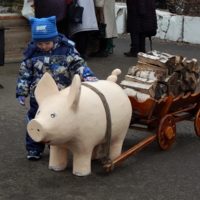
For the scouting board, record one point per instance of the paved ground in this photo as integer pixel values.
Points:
(151, 174)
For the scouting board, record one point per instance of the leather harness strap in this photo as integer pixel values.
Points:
(107, 159)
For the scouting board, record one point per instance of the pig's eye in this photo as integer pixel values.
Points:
(53, 115)
(38, 112)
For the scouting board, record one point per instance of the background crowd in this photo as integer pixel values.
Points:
(141, 22)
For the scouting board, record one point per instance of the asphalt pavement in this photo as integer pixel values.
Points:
(150, 174)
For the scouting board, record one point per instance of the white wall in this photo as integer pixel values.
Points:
(177, 28)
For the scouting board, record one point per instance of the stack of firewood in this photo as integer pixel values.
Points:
(158, 74)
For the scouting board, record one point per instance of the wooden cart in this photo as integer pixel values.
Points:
(160, 118)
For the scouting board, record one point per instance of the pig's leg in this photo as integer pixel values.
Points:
(115, 149)
(95, 153)
(58, 158)
(82, 163)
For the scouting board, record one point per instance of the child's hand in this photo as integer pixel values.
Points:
(21, 100)
(91, 79)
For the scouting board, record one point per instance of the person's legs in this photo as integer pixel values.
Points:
(34, 148)
(102, 52)
(81, 40)
(103, 44)
(134, 45)
(142, 42)
(62, 27)
(137, 44)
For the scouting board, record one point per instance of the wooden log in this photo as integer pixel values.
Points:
(147, 74)
(151, 59)
(158, 92)
(138, 95)
(179, 66)
(195, 67)
(139, 79)
(194, 82)
(172, 79)
(175, 90)
(184, 86)
(178, 59)
(159, 61)
(185, 74)
(143, 65)
(184, 61)
(189, 65)
(196, 75)
(164, 88)
(171, 58)
(140, 87)
(132, 70)
(160, 72)
(186, 81)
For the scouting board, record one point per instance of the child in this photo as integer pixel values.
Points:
(49, 52)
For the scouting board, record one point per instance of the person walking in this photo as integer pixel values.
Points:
(105, 10)
(80, 32)
(141, 22)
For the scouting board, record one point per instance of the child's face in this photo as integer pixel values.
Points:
(45, 46)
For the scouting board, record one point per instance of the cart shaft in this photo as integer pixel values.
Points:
(130, 152)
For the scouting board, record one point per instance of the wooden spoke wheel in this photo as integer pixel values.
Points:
(166, 132)
(197, 123)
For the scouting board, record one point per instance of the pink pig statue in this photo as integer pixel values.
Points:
(75, 119)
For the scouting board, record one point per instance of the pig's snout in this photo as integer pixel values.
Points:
(36, 130)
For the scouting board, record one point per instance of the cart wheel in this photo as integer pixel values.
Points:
(197, 123)
(166, 132)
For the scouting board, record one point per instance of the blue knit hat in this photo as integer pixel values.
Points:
(44, 29)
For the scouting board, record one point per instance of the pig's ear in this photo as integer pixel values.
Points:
(45, 87)
(74, 92)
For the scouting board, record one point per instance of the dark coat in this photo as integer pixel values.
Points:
(47, 8)
(141, 16)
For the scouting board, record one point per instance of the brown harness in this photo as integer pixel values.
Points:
(105, 160)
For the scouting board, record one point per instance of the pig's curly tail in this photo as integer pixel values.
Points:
(113, 76)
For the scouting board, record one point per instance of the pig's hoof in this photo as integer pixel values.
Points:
(80, 174)
(56, 168)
